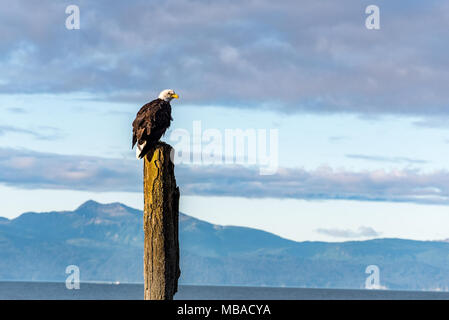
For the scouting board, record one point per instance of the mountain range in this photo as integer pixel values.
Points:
(106, 242)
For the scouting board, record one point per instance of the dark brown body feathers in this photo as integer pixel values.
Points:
(151, 122)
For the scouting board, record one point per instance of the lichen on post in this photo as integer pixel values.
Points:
(161, 218)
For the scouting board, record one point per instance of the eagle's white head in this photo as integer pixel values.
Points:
(168, 95)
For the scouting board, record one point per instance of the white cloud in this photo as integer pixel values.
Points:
(53, 171)
(361, 232)
(314, 56)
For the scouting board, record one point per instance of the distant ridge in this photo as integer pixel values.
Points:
(105, 241)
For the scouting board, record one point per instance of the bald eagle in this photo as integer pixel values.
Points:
(151, 122)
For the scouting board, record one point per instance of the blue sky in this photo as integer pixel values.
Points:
(362, 114)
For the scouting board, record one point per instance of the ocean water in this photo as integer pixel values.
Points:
(102, 291)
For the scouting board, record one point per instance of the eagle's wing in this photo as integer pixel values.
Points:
(151, 122)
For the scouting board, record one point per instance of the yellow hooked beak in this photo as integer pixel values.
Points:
(175, 96)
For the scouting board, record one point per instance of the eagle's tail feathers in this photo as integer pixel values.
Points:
(139, 150)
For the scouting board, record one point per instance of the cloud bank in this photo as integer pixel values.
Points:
(361, 232)
(313, 56)
(36, 170)
(385, 159)
(41, 133)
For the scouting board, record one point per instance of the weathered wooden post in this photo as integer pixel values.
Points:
(161, 217)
